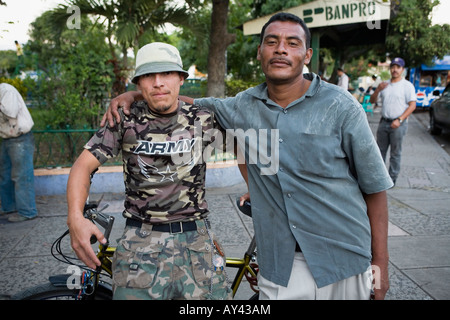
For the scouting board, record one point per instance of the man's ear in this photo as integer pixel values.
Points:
(181, 78)
(308, 56)
(138, 87)
(258, 54)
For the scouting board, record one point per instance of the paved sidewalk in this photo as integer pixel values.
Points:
(419, 213)
(419, 232)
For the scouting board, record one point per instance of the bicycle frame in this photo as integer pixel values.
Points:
(105, 255)
(245, 268)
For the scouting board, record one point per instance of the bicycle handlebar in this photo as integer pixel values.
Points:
(246, 208)
(90, 212)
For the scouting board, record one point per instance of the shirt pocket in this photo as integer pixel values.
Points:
(320, 155)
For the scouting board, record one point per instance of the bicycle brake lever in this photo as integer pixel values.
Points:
(107, 225)
(103, 208)
(108, 229)
(106, 221)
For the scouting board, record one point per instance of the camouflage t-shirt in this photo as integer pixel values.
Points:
(163, 160)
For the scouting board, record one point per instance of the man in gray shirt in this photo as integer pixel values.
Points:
(398, 102)
(320, 215)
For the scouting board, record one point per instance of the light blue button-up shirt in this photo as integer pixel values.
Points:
(327, 158)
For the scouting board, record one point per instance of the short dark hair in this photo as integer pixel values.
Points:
(284, 16)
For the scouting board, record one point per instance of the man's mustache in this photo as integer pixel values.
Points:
(282, 60)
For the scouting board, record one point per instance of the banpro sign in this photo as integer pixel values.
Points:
(323, 13)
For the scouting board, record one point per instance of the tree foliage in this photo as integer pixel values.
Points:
(8, 60)
(77, 74)
(411, 34)
(129, 24)
(76, 90)
(241, 54)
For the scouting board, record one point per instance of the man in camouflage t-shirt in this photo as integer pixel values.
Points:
(167, 249)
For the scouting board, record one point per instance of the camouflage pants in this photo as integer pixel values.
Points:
(159, 265)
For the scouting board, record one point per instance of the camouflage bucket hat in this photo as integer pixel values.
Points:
(158, 57)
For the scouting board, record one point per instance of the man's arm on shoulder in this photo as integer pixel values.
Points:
(186, 99)
(125, 100)
(81, 229)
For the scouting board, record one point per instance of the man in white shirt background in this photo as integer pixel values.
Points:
(343, 79)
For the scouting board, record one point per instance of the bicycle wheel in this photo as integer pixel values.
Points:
(48, 291)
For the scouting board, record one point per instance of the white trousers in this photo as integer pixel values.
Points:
(302, 286)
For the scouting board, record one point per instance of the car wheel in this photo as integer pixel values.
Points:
(434, 129)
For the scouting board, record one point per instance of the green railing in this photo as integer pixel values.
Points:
(60, 148)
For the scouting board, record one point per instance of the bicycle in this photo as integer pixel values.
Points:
(89, 285)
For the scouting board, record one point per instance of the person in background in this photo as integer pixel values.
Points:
(376, 82)
(398, 102)
(16, 155)
(343, 79)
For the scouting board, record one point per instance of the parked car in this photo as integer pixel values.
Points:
(440, 112)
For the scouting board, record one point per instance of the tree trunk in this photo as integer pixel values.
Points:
(220, 39)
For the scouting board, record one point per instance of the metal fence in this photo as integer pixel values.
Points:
(60, 148)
